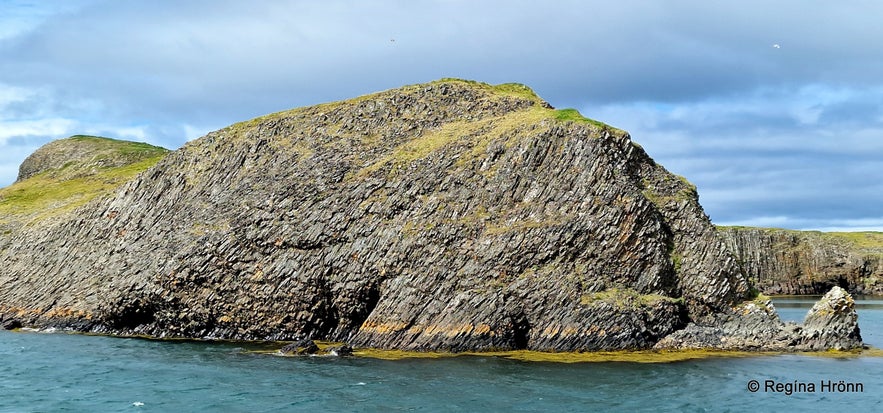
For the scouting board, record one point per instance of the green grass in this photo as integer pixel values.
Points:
(44, 196)
(625, 298)
(569, 114)
(863, 240)
(868, 241)
(573, 115)
(475, 134)
(517, 90)
(140, 149)
(60, 190)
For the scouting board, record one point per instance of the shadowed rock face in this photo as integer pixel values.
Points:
(444, 216)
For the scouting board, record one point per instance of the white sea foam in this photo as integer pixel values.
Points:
(39, 330)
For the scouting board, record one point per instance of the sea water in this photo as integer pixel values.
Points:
(59, 372)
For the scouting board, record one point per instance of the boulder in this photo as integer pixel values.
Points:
(300, 347)
(341, 350)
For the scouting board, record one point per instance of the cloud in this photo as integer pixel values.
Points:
(206, 58)
(801, 155)
(209, 52)
(42, 127)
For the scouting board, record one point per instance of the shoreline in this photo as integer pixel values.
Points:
(649, 356)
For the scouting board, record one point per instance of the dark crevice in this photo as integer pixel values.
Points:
(133, 314)
(520, 332)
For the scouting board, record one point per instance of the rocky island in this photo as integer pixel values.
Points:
(447, 216)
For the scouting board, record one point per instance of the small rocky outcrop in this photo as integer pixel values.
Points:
(307, 347)
(832, 323)
(340, 350)
(300, 348)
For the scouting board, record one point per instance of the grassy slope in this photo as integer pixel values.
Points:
(59, 190)
(867, 242)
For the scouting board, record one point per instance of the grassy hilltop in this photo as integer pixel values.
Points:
(68, 173)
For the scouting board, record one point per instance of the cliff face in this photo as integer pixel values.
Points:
(781, 261)
(445, 216)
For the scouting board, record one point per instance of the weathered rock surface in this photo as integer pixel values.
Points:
(444, 216)
(778, 261)
(832, 323)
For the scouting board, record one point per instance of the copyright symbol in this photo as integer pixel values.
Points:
(753, 386)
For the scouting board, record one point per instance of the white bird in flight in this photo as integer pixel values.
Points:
(776, 46)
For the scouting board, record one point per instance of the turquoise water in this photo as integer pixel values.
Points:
(41, 372)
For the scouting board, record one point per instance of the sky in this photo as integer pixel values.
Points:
(773, 109)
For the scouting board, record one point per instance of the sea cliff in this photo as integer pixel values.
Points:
(780, 261)
(450, 216)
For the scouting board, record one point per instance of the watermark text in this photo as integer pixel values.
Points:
(796, 386)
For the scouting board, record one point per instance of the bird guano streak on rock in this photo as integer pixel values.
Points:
(452, 215)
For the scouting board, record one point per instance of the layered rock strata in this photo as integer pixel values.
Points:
(445, 216)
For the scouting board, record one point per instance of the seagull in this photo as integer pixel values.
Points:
(776, 46)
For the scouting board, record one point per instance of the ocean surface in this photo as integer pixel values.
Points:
(59, 372)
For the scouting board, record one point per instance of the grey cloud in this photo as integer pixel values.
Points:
(204, 51)
(735, 186)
